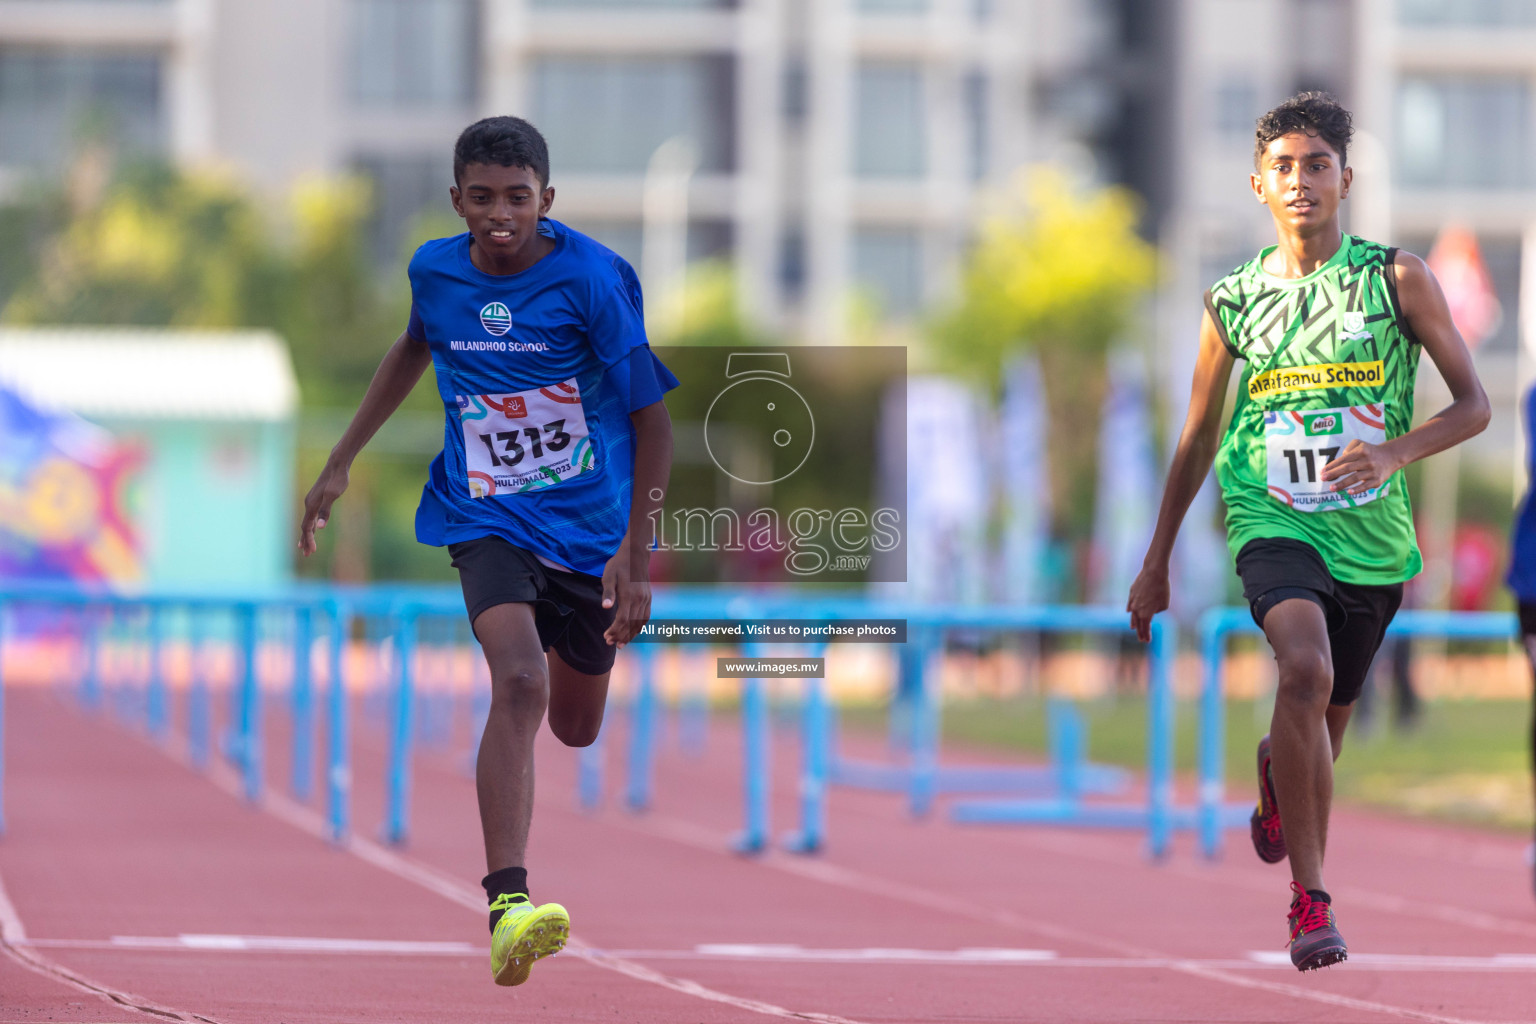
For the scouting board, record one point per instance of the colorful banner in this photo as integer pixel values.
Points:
(1128, 488)
(63, 498)
(1457, 262)
(1026, 484)
(947, 491)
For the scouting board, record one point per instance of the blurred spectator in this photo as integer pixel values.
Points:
(1522, 558)
(1474, 567)
(1396, 660)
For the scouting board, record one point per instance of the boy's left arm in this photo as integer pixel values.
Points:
(1361, 467)
(627, 576)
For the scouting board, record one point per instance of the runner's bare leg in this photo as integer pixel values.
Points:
(576, 703)
(1300, 742)
(519, 694)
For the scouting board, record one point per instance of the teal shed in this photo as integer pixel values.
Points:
(210, 418)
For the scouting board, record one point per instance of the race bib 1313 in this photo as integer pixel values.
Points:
(525, 440)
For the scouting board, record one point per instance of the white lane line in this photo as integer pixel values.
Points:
(13, 944)
(277, 943)
(695, 836)
(455, 891)
(308, 821)
(1076, 846)
(287, 944)
(1195, 969)
(800, 954)
(1412, 961)
(11, 928)
(790, 953)
(262, 944)
(1441, 912)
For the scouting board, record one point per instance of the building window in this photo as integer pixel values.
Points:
(1469, 13)
(636, 4)
(707, 240)
(1467, 131)
(977, 137)
(1237, 109)
(607, 115)
(797, 91)
(52, 102)
(414, 53)
(1323, 63)
(406, 188)
(792, 258)
(888, 262)
(890, 140)
(892, 6)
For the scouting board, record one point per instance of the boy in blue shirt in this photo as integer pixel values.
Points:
(1522, 559)
(556, 450)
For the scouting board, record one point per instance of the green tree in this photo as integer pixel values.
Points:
(706, 310)
(1059, 271)
(154, 246)
(158, 248)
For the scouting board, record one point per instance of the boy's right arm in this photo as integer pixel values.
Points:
(1191, 462)
(398, 372)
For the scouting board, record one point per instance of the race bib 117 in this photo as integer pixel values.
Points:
(1300, 442)
(526, 440)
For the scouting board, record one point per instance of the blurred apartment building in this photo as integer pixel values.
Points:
(1444, 96)
(836, 144)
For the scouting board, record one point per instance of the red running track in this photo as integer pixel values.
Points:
(140, 890)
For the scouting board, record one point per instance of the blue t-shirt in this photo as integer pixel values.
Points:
(538, 372)
(1522, 554)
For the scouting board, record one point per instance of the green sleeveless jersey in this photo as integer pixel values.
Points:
(1329, 359)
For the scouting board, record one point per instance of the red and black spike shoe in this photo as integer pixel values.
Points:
(1264, 826)
(1315, 938)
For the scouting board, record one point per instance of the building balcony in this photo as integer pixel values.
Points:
(1474, 50)
(85, 24)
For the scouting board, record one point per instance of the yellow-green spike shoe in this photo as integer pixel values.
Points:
(524, 934)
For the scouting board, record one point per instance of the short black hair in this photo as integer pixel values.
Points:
(1316, 113)
(505, 142)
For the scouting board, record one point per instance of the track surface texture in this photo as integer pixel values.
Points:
(136, 889)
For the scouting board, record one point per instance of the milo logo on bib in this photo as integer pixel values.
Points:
(1300, 443)
(1320, 424)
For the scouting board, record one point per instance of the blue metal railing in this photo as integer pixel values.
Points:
(97, 611)
(1220, 623)
(924, 776)
(417, 702)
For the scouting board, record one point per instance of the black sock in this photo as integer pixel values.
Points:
(1320, 896)
(507, 881)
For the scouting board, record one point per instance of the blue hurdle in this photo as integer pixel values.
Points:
(642, 732)
(302, 765)
(1219, 623)
(924, 777)
(395, 615)
(99, 611)
(1156, 815)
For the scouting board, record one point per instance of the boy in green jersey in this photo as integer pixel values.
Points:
(1329, 327)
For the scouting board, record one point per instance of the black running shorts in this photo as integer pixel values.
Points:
(1527, 620)
(1279, 568)
(567, 606)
